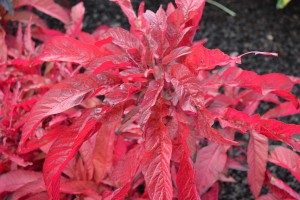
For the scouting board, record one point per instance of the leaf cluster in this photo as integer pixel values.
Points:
(139, 114)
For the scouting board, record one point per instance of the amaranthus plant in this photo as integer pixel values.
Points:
(139, 114)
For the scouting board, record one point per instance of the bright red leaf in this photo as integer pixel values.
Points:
(257, 156)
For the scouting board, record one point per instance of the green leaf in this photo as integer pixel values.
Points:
(282, 3)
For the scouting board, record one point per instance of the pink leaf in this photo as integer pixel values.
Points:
(38, 196)
(78, 187)
(127, 167)
(191, 8)
(128, 10)
(101, 64)
(176, 53)
(157, 23)
(257, 155)
(44, 34)
(277, 130)
(153, 90)
(210, 162)
(87, 157)
(30, 188)
(24, 17)
(186, 180)
(13, 180)
(213, 193)
(65, 148)
(122, 38)
(69, 50)
(118, 194)
(61, 97)
(156, 167)
(283, 109)
(28, 43)
(204, 124)
(3, 47)
(49, 7)
(77, 14)
(16, 159)
(105, 138)
(186, 175)
(202, 58)
(288, 159)
(268, 197)
(281, 189)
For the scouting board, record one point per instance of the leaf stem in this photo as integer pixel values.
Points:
(222, 7)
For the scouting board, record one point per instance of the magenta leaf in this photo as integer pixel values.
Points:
(16, 179)
(65, 147)
(127, 167)
(210, 162)
(67, 49)
(156, 166)
(257, 156)
(61, 97)
(48, 7)
(104, 146)
(286, 158)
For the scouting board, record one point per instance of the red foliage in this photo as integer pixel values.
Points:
(146, 120)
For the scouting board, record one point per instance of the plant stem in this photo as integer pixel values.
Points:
(222, 7)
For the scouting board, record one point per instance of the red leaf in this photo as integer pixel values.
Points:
(204, 124)
(280, 189)
(176, 53)
(268, 197)
(24, 17)
(127, 167)
(156, 167)
(185, 82)
(78, 187)
(118, 194)
(202, 58)
(192, 11)
(30, 188)
(65, 148)
(77, 14)
(213, 193)
(157, 23)
(122, 38)
(38, 196)
(288, 159)
(257, 156)
(44, 34)
(101, 64)
(87, 157)
(153, 90)
(277, 130)
(61, 97)
(13, 180)
(69, 50)
(210, 162)
(3, 47)
(186, 176)
(16, 159)
(238, 120)
(186, 180)
(49, 7)
(105, 138)
(191, 8)
(283, 109)
(28, 43)
(128, 11)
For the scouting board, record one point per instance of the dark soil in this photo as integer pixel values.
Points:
(258, 26)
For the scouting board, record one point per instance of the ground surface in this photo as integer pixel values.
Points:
(257, 26)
